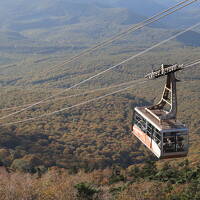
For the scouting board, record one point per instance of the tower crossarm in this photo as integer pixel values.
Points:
(164, 70)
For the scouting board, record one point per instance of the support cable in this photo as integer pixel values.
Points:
(131, 29)
(74, 106)
(102, 72)
(139, 81)
(71, 96)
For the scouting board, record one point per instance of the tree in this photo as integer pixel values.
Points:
(26, 164)
(86, 191)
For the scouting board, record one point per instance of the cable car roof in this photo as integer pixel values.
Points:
(166, 126)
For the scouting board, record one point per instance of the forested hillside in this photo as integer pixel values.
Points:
(88, 152)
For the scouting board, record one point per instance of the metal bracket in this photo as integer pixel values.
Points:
(169, 97)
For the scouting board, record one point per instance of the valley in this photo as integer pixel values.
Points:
(92, 140)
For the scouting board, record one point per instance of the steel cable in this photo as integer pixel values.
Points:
(120, 35)
(139, 81)
(71, 96)
(74, 106)
(102, 72)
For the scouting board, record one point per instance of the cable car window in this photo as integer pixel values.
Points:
(169, 143)
(175, 142)
(148, 128)
(140, 122)
(157, 137)
(182, 142)
(154, 133)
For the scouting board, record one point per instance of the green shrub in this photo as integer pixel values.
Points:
(85, 191)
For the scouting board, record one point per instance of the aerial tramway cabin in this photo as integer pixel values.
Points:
(156, 126)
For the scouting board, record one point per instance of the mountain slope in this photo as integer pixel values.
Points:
(190, 38)
(76, 21)
(144, 7)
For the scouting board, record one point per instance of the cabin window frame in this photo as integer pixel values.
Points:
(148, 128)
(178, 145)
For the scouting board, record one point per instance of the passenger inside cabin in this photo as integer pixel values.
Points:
(168, 144)
(173, 144)
(180, 145)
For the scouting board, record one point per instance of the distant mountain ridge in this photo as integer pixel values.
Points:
(81, 21)
(190, 38)
(13, 13)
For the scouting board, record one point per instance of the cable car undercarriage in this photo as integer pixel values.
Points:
(156, 126)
